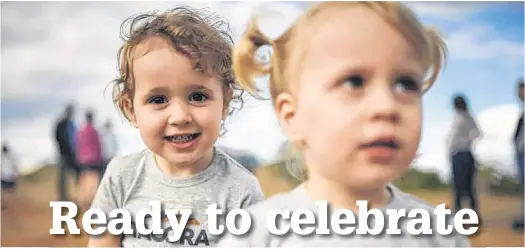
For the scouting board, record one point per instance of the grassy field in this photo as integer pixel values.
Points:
(27, 220)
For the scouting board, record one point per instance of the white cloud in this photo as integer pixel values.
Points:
(498, 125)
(433, 155)
(481, 43)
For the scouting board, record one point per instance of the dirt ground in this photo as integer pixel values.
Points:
(27, 220)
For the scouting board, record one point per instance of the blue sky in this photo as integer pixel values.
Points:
(48, 60)
(486, 76)
(489, 78)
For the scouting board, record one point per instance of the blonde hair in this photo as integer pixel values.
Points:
(200, 36)
(247, 67)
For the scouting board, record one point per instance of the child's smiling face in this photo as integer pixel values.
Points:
(177, 110)
(356, 110)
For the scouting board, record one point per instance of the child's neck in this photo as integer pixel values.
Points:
(185, 170)
(339, 195)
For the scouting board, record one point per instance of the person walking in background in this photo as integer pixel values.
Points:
(109, 144)
(89, 156)
(518, 150)
(65, 132)
(462, 135)
(9, 176)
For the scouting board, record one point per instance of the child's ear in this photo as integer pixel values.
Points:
(285, 108)
(224, 112)
(228, 96)
(128, 111)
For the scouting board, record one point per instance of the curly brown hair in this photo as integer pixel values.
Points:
(199, 35)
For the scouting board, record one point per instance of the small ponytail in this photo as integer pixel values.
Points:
(437, 56)
(294, 163)
(245, 64)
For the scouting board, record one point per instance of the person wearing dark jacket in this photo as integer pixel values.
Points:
(65, 131)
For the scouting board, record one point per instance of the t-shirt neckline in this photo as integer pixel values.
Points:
(208, 173)
(392, 203)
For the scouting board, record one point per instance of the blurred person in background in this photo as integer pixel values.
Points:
(65, 132)
(89, 156)
(518, 150)
(9, 176)
(109, 144)
(462, 135)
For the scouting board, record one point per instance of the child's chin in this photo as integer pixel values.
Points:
(183, 158)
(372, 181)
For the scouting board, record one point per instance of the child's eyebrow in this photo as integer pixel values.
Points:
(190, 87)
(157, 90)
(199, 87)
(411, 70)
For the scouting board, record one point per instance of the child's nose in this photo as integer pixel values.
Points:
(382, 105)
(179, 114)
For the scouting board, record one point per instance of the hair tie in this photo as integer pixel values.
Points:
(275, 19)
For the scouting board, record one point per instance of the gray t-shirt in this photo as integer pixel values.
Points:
(132, 181)
(259, 235)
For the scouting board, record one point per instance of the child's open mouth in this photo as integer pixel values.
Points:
(183, 139)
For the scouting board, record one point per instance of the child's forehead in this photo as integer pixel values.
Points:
(346, 26)
(150, 44)
(334, 20)
(354, 29)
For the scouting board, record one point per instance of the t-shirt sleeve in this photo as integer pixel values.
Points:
(252, 195)
(110, 192)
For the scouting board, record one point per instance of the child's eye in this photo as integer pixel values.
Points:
(355, 81)
(158, 100)
(198, 97)
(406, 83)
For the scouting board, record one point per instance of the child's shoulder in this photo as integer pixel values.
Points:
(229, 167)
(409, 201)
(126, 164)
(291, 200)
(236, 182)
